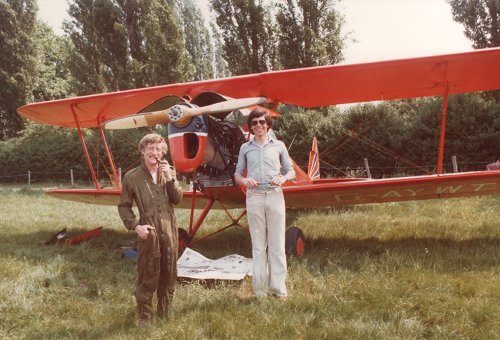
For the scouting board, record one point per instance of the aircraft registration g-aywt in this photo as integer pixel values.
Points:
(204, 141)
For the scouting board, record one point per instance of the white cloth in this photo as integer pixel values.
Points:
(266, 220)
(196, 266)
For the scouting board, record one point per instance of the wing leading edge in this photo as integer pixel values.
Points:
(309, 87)
(326, 193)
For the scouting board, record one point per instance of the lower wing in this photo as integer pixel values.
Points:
(325, 193)
(328, 193)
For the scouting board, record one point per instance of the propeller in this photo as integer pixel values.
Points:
(179, 113)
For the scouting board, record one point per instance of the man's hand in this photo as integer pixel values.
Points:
(143, 231)
(279, 181)
(165, 168)
(249, 182)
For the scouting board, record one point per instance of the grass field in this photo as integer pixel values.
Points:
(427, 270)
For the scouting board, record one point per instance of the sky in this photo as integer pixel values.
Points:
(383, 29)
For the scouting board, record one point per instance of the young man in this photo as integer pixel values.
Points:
(154, 189)
(263, 157)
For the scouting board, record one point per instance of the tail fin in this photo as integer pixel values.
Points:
(313, 166)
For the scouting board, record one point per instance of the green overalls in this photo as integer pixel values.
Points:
(157, 255)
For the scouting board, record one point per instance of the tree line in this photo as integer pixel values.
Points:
(111, 45)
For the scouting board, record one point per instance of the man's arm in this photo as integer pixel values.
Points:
(240, 168)
(125, 207)
(239, 179)
(286, 164)
(174, 191)
(127, 214)
(241, 165)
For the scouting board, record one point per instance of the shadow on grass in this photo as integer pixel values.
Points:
(97, 262)
(441, 255)
(89, 272)
(349, 253)
(230, 241)
(76, 331)
(109, 242)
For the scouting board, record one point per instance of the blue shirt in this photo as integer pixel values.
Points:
(265, 162)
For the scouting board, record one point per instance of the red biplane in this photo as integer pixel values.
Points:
(204, 141)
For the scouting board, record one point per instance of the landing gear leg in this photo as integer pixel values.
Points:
(183, 239)
(294, 242)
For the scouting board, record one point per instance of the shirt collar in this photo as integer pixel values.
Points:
(270, 139)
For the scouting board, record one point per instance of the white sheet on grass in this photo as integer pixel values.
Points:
(196, 266)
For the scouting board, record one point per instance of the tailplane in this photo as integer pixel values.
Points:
(313, 166)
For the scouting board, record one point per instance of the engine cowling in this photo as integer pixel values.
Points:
(188, 143)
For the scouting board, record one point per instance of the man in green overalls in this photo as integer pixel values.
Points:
(153, 187)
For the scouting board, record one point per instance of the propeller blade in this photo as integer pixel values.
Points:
(228, 105)
(137, 120)
(178, 113)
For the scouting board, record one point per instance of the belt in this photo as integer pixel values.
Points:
(265, 187)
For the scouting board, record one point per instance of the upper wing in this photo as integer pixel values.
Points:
(309, 87)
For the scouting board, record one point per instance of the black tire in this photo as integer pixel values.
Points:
(294, 242)
(184, 239)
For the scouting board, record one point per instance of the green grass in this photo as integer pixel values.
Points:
(395, 271)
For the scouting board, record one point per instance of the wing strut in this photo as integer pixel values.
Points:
(193, 228)
(84, 146)
(110, 159)
(443, 129)
(195, 225)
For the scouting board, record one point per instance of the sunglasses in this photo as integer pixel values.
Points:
(261, 122)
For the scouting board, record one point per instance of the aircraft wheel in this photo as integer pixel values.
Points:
(183, 239)
(294, 242)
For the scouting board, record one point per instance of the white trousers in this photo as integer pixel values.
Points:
(266, 220)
